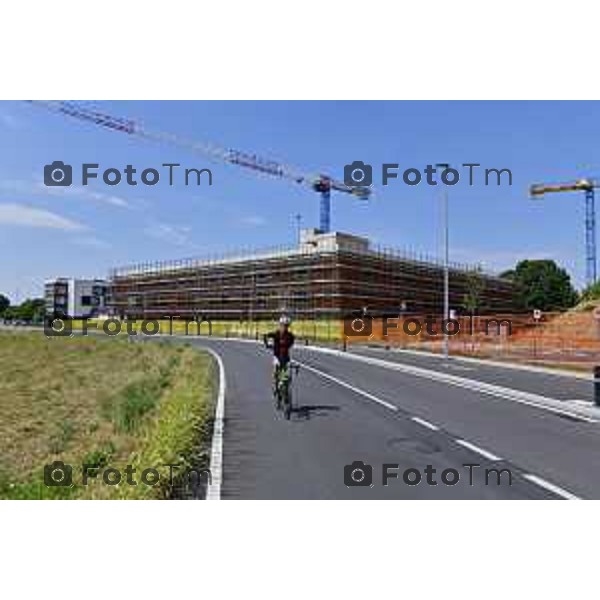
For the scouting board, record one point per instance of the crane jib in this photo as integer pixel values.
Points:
(319, 182)
(104, 120)
(251, 161)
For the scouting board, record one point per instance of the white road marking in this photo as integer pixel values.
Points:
(580, 402)
(495, 363)
(425, 423)
(550, 487)
(348, 386)
(478, 450)
(543, 402)
(216, 458)
(213, 491)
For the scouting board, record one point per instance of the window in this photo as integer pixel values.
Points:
(89, 301)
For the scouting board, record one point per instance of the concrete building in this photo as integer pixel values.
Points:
(328, 275)
(75, 297)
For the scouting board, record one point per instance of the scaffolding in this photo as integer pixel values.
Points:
(327, 276)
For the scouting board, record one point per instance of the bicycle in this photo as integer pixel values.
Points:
(283, 387)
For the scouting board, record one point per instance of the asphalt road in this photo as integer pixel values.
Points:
(347, 410)
(555, 385)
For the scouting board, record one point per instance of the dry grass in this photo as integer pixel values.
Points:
(317, 330)
(97, 400)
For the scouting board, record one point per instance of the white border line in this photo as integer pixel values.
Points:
(478, 450)
(216, 460)
(493, 363)
(550, 487)
(348, 386)
(425, 423)
(213, 491)
(589, 415)
(553, 405)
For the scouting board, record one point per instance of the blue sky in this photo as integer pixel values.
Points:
(47, 232)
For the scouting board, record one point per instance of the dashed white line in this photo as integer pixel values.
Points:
(348, 386)
(589, 415)
(213, 491)
(478, 450)
(425, 423)
(550, 487)
(216, 458)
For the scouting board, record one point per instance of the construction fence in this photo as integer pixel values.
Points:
(568, 339)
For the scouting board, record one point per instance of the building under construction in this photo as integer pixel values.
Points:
(327, 275)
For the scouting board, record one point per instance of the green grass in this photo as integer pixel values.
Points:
(100, 401)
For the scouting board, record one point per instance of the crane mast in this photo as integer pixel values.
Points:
(580, 185)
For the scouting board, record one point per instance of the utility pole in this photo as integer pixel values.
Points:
(445, 218)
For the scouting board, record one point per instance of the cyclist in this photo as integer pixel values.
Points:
(282, 341)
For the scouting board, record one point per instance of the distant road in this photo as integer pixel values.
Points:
(349, 410)
(542, 381)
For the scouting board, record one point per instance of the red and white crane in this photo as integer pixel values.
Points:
(323, 184)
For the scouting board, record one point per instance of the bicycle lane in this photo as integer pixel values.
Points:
(332, 426)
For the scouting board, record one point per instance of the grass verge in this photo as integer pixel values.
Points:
(106, 402)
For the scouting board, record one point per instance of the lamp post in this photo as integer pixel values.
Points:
(445, 218)
(298, 218)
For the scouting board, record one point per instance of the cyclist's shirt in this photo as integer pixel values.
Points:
(282, 342)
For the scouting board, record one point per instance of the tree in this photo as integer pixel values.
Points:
(592, 292)
(4, 304)
(542, 284)
(32, 309)
(475, 284)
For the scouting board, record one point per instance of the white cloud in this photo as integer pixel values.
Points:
(74, 191)
(176, 235)
(109, 199)
(78, 191)
(28, 216)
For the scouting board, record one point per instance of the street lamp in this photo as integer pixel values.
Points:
(298, 218)
(445, 219)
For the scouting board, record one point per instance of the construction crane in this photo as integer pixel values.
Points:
(323, 184)
(587, 186)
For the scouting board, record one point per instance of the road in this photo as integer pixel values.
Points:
(348, 410)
